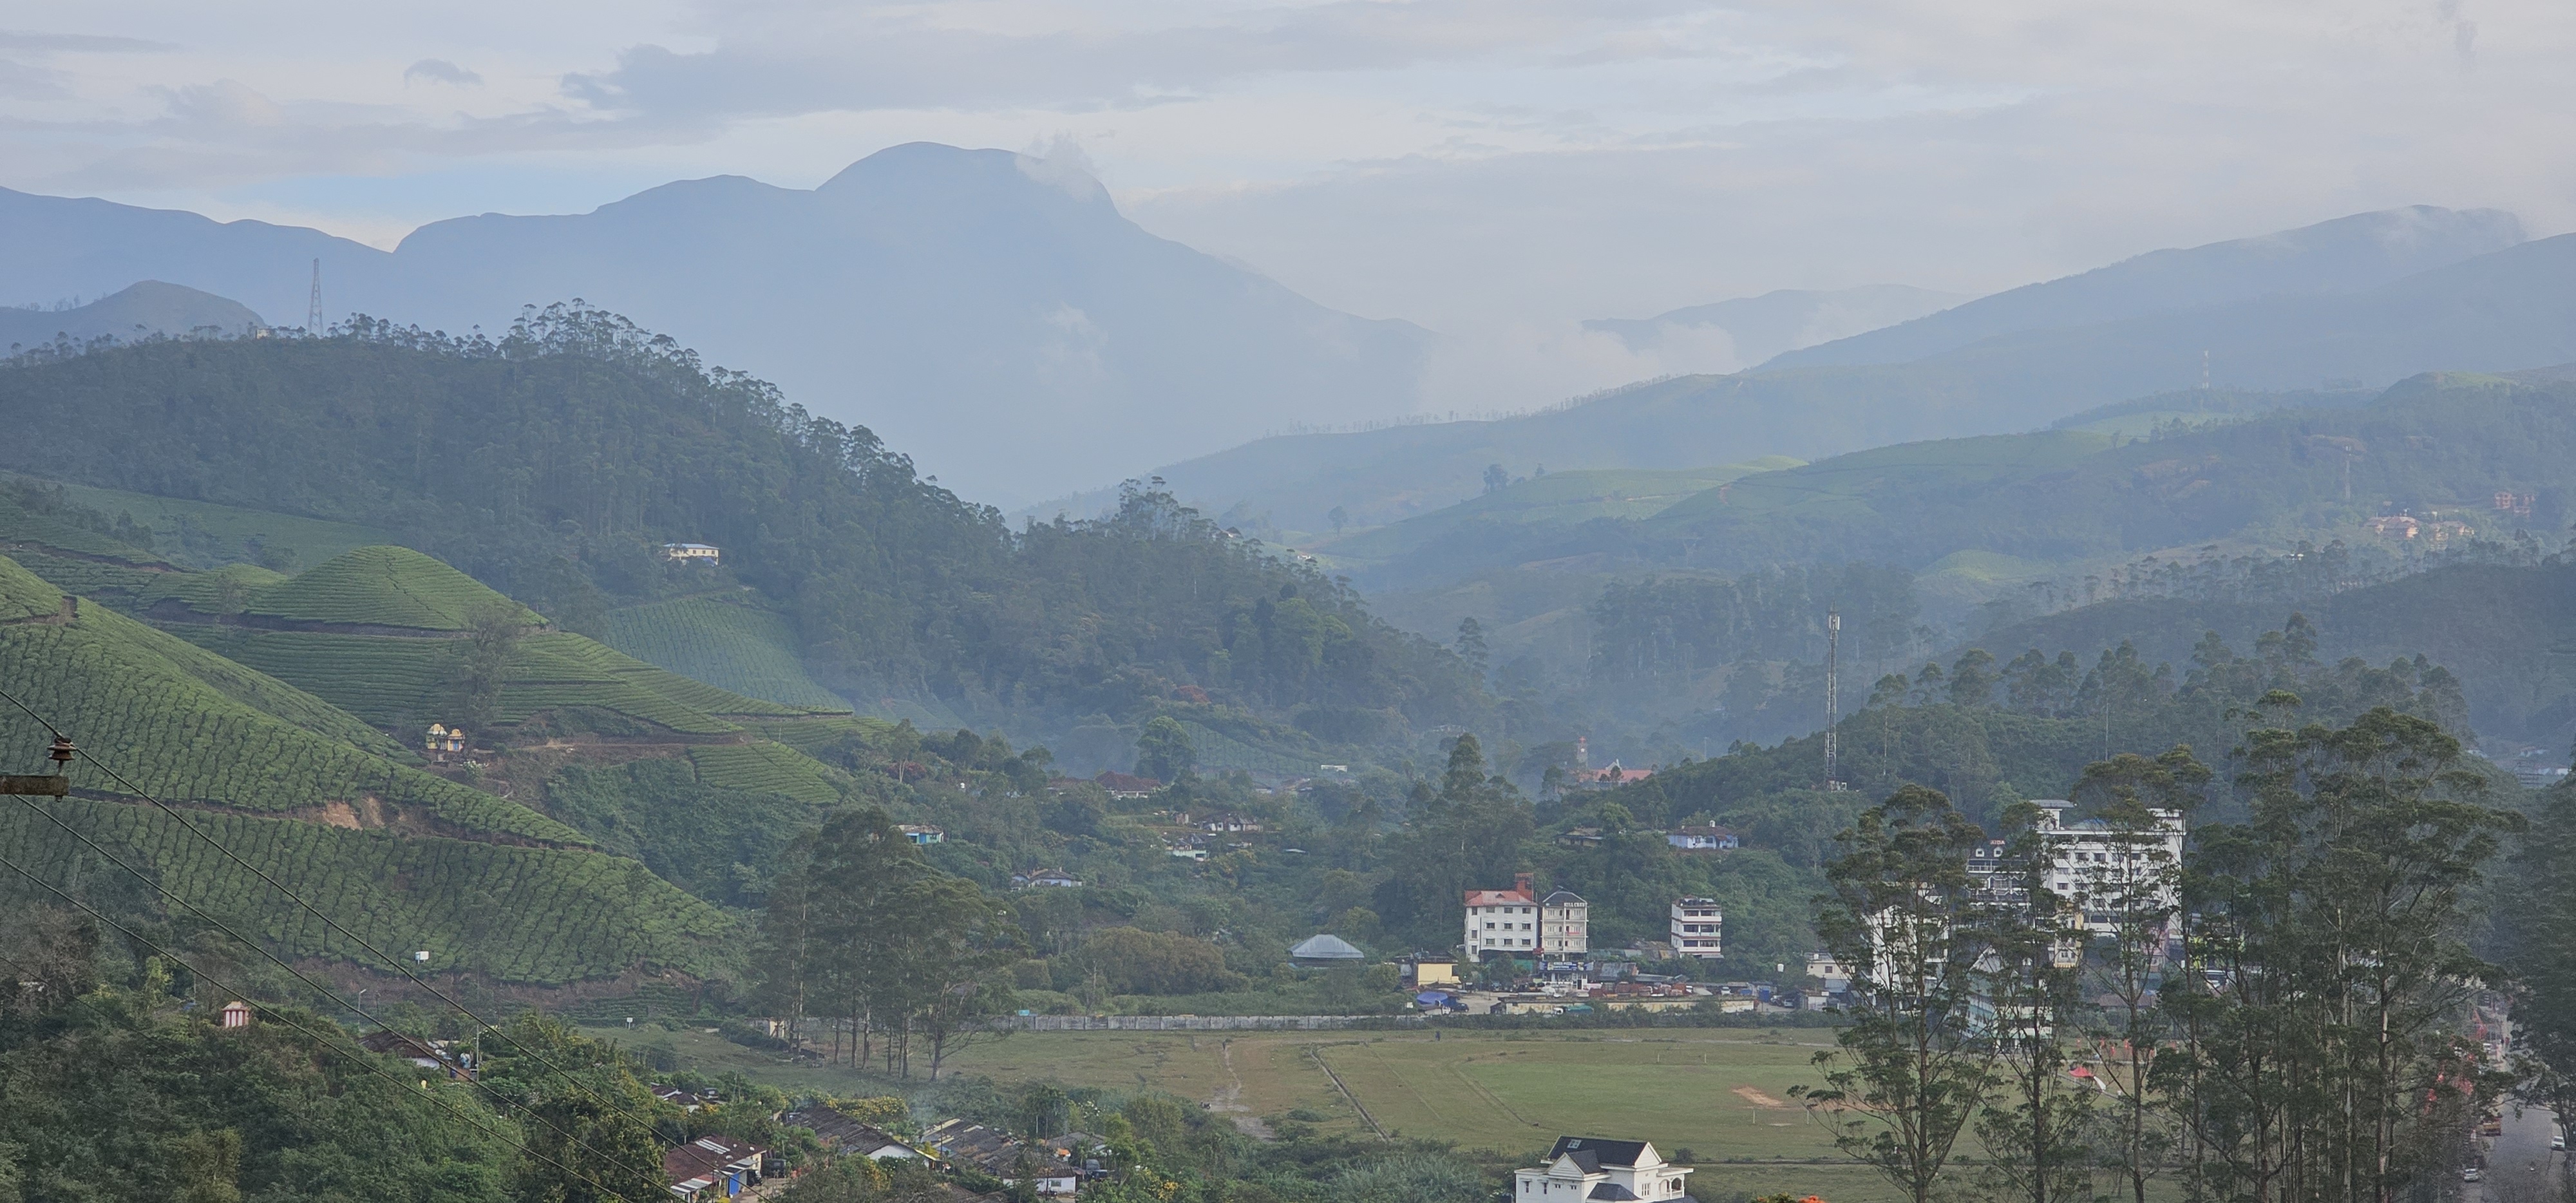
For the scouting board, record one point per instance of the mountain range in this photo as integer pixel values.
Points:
(2356, 303)
(991, 313)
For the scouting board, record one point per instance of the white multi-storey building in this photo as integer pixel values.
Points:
(1518, 922)
(1502, 921)
(1564, 925)
(2105, 872)
(1584, 1168)
(1695, 927)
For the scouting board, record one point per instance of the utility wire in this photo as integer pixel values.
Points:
(273, 958)
(328, 922)
(299, 975)
(319, 1041)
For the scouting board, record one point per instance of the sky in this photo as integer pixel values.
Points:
(1496, 170)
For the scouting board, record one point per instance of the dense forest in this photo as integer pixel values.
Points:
(554, 461)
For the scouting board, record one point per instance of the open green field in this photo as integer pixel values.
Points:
(1720, 1093)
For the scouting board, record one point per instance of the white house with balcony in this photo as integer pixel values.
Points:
(1696, 924)
(1581, 1169)
(1564, 925)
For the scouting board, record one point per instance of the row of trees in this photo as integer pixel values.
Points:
(2286, 1012)
(885, 951)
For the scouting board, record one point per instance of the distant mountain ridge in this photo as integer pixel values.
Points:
(2503, 310)
(148, 307)
(2359, 251)
(993, 314)
(1732, 335)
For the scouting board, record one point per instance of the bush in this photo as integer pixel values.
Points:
(1134, 961)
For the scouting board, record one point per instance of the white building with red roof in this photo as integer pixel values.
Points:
(1503, 921)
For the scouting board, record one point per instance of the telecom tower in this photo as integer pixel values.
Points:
(313, 313)
(1833, 703)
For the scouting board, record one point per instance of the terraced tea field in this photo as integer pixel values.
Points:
(751, 652)
(531, 915)
(130, 693)
(385, 586)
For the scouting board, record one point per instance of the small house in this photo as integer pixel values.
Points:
(1005, 1157)
(919, 833)
(235, 1015)
(713, 1168)
(1426, 972)
(1126, 785)
(1703, 839)
(692, 553)
(423, 1053)
(1044, 879)
(1586, 1168)
(685, 1100)
(1228, 823)
(443, 740)
(847, 1137)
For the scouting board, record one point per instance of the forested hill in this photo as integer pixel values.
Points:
(554, 462)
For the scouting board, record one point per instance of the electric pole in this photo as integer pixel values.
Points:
(1833, 703)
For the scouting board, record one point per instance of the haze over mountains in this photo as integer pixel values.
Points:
(990, 314)
(2359, 302)
(1732, 335)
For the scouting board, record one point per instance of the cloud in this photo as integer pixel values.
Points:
(441, 71)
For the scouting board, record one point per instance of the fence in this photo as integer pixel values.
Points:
(1198, 1023)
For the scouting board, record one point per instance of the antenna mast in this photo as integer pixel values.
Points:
(313, 313)
(1833, 704)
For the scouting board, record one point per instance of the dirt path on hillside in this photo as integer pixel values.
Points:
(1229, 1100)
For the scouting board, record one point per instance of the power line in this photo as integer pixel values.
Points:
(319, 1041)
(62, 742)
(273, 958)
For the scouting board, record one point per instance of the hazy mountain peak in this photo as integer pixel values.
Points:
(144, 308)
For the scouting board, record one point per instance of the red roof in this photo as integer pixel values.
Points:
(1499, 897)
(1124, 782)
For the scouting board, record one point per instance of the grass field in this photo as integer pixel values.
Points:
(1721, 1093)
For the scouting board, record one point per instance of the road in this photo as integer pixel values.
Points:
(2520, 1167)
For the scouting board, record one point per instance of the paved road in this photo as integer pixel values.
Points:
(2520, 1167)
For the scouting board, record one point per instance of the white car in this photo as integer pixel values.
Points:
(2471, 1174)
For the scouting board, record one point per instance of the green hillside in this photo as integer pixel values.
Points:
(554, 463)
(519, 915)
(182, 738)
(319, 800)
(750, 651)
(226, 590)
(1553, 500)
(202, 534)
(385, 586)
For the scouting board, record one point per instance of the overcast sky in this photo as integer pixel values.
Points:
(1494, 169)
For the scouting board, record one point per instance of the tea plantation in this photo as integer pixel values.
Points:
(766, 768)
(385, 586)
(749, 651)
(108, 679)
(533, 915)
